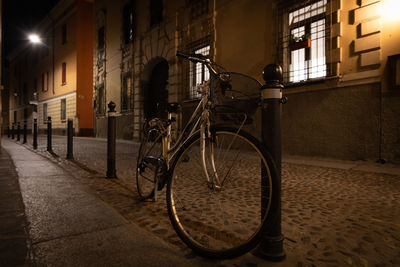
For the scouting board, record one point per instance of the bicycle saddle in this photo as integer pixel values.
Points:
(173, 107)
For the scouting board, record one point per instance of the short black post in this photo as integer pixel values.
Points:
(24, 132)
(8, 130)
(18, 131)
(111, 135)
(271, 246)
(13, 130)
(70, 133)
(49, 146)
(35, 133)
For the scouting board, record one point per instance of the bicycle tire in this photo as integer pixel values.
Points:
(230, 228)
(145, 173)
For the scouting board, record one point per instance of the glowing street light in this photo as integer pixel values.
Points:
(34, 38)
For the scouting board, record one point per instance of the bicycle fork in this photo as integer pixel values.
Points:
(205, 134)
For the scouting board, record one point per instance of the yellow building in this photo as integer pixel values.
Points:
(54, 77)
(340, 63)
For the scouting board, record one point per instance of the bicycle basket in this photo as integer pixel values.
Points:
(239, 93)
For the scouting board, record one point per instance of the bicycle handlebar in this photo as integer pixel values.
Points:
(198, 58)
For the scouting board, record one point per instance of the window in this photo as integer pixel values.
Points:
(126, 93)
(64, 34)
(100, 103)
(44, 112)
(44, 89)
(156, 10)
(304, 42)
(64, 73)
(198, 73)
(198, 8)
(15, 116)
(100, 44)
(45, 81)
(63, 109)
(127, 24)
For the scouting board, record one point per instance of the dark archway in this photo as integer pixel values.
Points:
(156, 89)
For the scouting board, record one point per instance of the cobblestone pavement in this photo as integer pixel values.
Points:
(330, 216)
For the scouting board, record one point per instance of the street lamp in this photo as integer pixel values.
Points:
(34, 38)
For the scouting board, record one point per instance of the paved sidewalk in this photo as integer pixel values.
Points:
(14, 238)
(68, 226)
(334, 212)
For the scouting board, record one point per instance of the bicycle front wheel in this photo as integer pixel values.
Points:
(224, 217)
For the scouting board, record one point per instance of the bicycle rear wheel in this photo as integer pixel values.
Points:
(228, 221)
(151, 147)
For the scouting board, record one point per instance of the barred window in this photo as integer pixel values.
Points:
(100, 101)
(44, 112)
(304, 42)
(101, 44)
(198, 73)
(126, 93)
(63, 109)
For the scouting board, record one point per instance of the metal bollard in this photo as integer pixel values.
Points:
(18, 131)
(13, 130)
(49, 146)
(35, 133)
(24, 132)
(70, 133)
(111, 136)
(8, 130)
(271, 245)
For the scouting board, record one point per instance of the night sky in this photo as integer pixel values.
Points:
(20, 17)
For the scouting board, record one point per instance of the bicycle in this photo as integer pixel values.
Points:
(220, 179)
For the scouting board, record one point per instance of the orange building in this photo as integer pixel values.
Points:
(53, 78)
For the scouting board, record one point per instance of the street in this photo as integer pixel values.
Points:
(334, 213)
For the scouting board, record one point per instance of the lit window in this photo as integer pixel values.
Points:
(198, 73)
(307, 26)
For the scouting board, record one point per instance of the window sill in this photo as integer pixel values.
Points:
(62, 84)
(310, 82)
(63, 120)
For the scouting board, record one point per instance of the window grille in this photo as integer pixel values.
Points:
(101, 44)
(63, 109)
(100, 103)
(126, 93)
(198, 73)
(44, 112)
(304, 41)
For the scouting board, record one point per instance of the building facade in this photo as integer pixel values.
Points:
(53, 78)
(340, 65)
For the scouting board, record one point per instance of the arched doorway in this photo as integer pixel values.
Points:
(155, 88)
